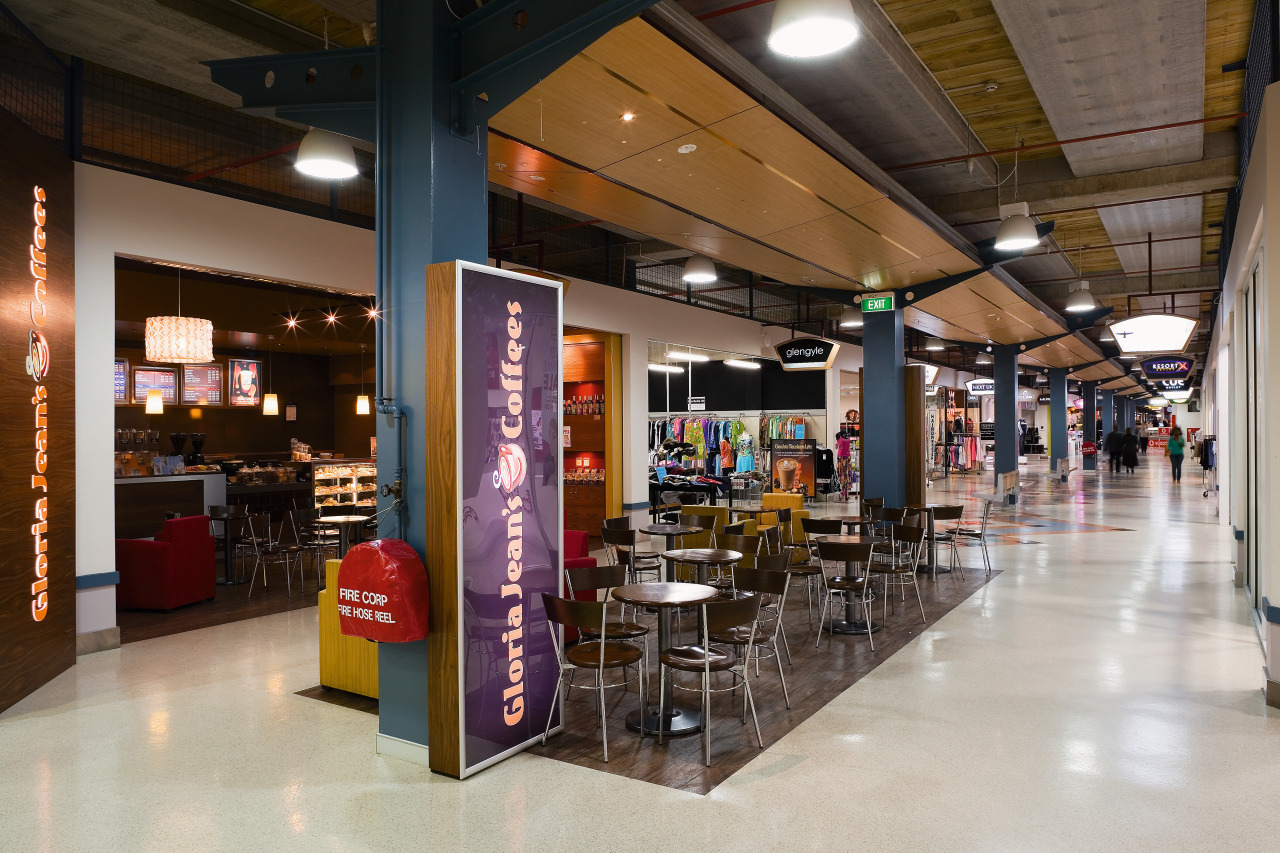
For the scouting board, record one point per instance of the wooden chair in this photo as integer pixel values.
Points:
(847, 581)
(771, 585)
(948, 537)
(718, 618)
(595, 656)
(606, 578)
(900, 569)
(267, 549)
(620, 545)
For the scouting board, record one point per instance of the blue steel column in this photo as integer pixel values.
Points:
(1129, 407)
(1005, 374)
(884, 428)
(432, 206)
(1090, 394)
(1107, 408)
(1058, 448)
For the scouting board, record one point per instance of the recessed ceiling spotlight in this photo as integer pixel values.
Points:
(332, 318)
(499, 166)
(291, 322)
(373, 313)
(687, 148)
(536, 178)
(628, 116)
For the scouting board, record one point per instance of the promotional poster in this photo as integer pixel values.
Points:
(509, 357)
(793, 465)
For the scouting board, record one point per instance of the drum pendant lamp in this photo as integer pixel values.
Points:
(699, 269)
(178, 340)
(1080, 299)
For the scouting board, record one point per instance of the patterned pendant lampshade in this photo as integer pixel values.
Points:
(179, 340)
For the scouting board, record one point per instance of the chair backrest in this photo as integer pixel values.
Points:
(876, 511)
(986, 515)
(709, 525)
(914, 518)
(736, 529)
(844, 552)
(773, 562)
(821, 526)
(771, 539)
(893, 515)
(596, 577)
(785, 519)
(575, 614)
(760, 580)
(260, 527)
(616, 537)
(620, 523)
(908, 534)
(948, 513)
(726, 613)
(870, 502)
(746, 545)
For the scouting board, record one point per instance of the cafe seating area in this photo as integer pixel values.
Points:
(755, 674)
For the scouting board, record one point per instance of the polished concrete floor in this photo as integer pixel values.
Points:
(1103, 693)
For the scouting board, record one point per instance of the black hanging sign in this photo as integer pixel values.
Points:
(807, 354)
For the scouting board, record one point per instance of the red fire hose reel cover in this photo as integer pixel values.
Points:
(383, 592)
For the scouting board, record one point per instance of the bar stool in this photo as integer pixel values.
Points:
(618, 542)
(770, 585)
(747, 546)
(620, 523)
(606, 578)
(948, 537)
(978, 534)
(842, 585)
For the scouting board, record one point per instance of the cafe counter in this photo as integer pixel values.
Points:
(141, 502)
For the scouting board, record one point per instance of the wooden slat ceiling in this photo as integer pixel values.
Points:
(755, 193)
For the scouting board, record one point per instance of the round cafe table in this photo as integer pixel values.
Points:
(672, 532)
(850, 624)
(851, 522)
(666, 596)
(345, 523)
(230, 517)
(753, 510)
(701, 559)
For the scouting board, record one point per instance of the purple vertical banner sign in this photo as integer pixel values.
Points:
(510, 533)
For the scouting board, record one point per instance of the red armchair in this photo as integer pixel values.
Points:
(176, 568)
(577, 545)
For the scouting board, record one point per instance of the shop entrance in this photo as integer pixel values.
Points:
(272, 425)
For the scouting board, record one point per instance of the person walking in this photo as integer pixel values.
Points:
(1113, 444)
(1176, 449)
(1142, 441)
(1129, 449)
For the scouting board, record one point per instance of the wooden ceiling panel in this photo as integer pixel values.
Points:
(720, 182)
(840, 243)
(921, 271)
(576, 112)
(899, 228)
(763, 136)
(1228, 25)
(931, 324)
(666, 74)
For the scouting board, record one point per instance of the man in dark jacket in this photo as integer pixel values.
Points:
(1113, 444)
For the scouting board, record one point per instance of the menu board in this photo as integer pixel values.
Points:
(202, 384)
(122, 381)
(164, 378)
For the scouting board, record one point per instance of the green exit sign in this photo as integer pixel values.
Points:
(877, 303)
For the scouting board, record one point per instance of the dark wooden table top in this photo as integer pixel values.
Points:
(851, 519)
(754, 509)
(665, 594)
(220, 513)
(700, 556)
(670, 529)
(841, 539)
(927, 506)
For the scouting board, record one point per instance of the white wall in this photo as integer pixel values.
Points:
(120, 214)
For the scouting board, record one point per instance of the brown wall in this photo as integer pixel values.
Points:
(33, 652)
(326, 412)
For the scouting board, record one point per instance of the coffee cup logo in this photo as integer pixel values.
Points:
(787, 469)
(38, 356)
(511, 466)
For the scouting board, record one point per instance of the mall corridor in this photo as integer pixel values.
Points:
(1102, 692)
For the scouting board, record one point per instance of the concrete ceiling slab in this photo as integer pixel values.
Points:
(138, 37)
(1099, 66)
(876, 94)
(1163, 220)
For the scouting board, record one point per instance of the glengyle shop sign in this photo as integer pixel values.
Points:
(38, 369)
(807, 353)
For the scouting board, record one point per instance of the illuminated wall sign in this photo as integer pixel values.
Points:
(877, 303)
(981, 387)
(493, 548)
(807, 353)
(1174, 384)
(1178, 367)
(1043, 399)
(37, 403)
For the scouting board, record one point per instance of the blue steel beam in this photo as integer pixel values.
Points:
(1077, 322)
(507, 46)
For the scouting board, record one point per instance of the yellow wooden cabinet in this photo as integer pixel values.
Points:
(346, 663)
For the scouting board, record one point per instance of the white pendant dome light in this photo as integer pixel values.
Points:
(1107, 337)
(699, 269)
(1080, 299)
(933, 344)
(1016, 232)
(808, 28)
(326, 155)
(984, 358)
(851, 318)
